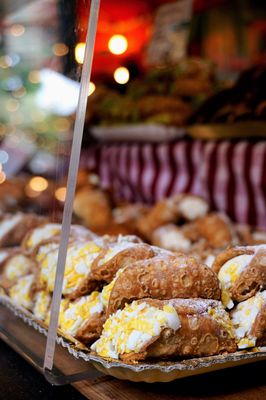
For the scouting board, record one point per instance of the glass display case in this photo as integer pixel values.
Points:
(80, 298)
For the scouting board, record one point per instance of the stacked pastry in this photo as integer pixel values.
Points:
(183, 223)
(242, 275)
(131, 301)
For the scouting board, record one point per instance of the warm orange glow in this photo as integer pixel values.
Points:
(62, 124)
(38, 184)
(5, 62)
(12, 105)
(3, 130)
(2, 177)
(34, 76)
(17, 30)
(92, 88)
(60, 194)
(118, 44)
(121, 75)
(31, 193)
(60, 49)
(80, 52)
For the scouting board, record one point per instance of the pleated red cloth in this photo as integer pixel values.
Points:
(231, 176)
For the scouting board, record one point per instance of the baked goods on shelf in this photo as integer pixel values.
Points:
(165, 95)
(132, 301)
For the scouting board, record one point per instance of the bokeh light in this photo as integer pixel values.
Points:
(121, 75)
(38, 184)
(118, 44)
(80, 52)
(2, 177)
(92, 88)
(60, 194)
(60, 49)
(34, 76)
(5, 62)
(17, 30)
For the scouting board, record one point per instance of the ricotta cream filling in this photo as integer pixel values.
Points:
(228, 275)
(130, 329)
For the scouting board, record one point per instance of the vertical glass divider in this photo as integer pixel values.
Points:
(71, 183)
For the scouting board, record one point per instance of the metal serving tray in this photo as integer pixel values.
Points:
(73, 361)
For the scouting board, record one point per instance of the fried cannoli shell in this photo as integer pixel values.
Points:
(191, 206)
(252, 278)
(216, 229)
(228, 254)
(162, 278)
(88, 285)
(249, 236)
(77, 232)
(92, 329)
(259, 327)
(106, 272)
(129, 214)
(164, 212)
(5, 282)
(5, 254)
(15, 235)
(171, 237)
(180, 206)
(200, 334)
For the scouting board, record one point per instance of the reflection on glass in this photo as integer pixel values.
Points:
(38, 98)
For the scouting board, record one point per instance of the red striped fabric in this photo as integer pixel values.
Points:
(231, 176)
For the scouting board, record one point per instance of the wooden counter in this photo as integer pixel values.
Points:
(241, 383)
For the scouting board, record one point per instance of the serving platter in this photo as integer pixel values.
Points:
(73, 361)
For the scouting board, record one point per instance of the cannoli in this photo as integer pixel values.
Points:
(22, 291)
(90, 327)
(83, 318)
(241, 272)
(166, 329)
(191, 207)
(164, 277)
(16, 266)
(63, 306)
(171, 237)
(51, 232)
(78, 280)
(216, 229)
(13, 228)
(4, 254)
(164, 212)
(171, 210)
(118, 255)
(42, 303)
(93, 207)
(249, 321)
(127, 215)
(249, 236)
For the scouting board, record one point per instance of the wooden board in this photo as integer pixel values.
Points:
(241, 383)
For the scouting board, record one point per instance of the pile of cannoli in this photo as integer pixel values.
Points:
(184, 223)
(131, 301)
